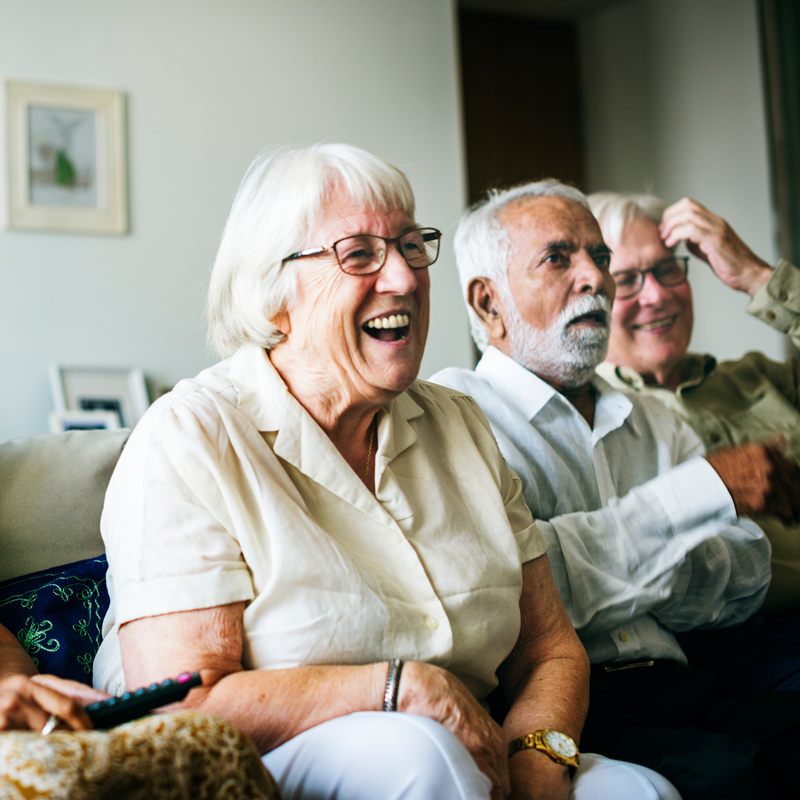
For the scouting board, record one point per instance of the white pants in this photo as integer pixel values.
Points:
(377, 756)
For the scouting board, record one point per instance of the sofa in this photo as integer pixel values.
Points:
(52, 568)
(53, 598)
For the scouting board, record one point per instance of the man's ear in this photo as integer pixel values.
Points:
(484, 300)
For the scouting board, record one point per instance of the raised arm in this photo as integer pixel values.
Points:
(709, 237)
(778, 302)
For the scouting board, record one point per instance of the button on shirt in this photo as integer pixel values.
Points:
(644, 537)
(229, 491)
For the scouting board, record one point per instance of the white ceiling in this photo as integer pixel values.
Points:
(542, 9)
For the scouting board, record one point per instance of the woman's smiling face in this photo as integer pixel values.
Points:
(363, 335)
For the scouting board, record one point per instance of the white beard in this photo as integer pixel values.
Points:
(567, 355)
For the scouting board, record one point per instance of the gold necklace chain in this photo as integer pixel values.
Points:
(369, 450)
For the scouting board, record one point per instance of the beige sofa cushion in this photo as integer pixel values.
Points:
(51, 495)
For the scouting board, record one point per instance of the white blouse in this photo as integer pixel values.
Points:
(229, 491)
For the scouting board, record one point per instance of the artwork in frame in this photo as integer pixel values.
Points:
(62, 421)
(66, 159)
(119, 392)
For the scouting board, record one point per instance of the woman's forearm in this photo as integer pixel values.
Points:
(272, 706)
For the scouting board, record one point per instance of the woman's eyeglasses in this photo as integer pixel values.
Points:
(365, 254)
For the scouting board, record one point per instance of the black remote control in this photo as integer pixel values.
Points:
(132, 705)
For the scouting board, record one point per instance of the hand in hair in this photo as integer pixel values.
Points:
(710, 238)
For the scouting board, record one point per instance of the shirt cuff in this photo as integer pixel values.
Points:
(692, 494)
(532, 543)
(778, 302)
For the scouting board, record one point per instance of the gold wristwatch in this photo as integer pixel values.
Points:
(555, 744)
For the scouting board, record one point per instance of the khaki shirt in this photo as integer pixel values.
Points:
(735, 402)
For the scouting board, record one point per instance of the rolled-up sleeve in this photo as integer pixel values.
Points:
(166, 520)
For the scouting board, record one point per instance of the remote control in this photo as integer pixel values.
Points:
(132, 705)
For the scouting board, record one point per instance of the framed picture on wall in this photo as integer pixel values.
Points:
(62, 421)
(67, 159)
(119, 392)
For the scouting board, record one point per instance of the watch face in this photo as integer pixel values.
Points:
(560, 743)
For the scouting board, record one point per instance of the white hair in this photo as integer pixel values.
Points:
(482, 244)
(615, 210)
(280, 198)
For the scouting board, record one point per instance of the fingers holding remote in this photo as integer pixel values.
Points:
(28, 704)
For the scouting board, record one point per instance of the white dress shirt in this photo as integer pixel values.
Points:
(229, 491)
(644, 537)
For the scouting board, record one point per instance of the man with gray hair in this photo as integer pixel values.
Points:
(750, 399)
(645, 533)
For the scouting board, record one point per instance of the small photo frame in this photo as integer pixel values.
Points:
(119, 392)
(62, 421)
(66, 159)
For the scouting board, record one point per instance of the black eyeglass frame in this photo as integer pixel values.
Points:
(428, 235)
(654, 271)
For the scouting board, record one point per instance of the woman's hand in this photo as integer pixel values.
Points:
(81, 692)
(26, 703)
(433, 692)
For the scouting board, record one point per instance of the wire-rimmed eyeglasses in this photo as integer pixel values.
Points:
(365, 254)
(668, 272)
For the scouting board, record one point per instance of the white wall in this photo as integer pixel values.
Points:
(208, 85)
(674, 104)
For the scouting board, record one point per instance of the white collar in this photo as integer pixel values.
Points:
(529, 394)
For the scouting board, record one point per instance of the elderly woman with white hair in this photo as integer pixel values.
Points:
(325, 538)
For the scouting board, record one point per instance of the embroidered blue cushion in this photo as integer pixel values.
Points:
(57, 615)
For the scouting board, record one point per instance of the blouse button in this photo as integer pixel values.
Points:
(715, 438)
(432, 622)
(783, 297)
(624, 637)
(770, 315)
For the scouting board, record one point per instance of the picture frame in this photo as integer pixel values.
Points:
(120, 392)
(63, 421)
(66, 166)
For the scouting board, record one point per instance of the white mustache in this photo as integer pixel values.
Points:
(585, 304)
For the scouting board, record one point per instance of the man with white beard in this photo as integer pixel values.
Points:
(645, 534)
